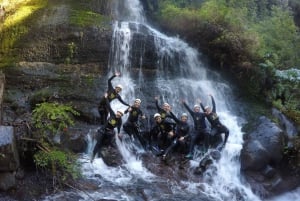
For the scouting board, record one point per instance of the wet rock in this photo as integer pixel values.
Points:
(7, 180)
(75, 140)
(9, 158)
(264, 146)
(262, 160)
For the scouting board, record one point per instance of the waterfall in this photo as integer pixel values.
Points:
(178, 74)
(175, 73)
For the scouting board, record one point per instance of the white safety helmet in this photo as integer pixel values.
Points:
(206, 107)
(138, 100)
(156, 115)
(166, 104)
(184, 115)
(195, 106)
(119, 86)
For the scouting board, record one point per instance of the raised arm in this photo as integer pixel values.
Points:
(156, 104)
(201, 105)
(109, 84)
(188, 109)
(214, 109)
(174, 117)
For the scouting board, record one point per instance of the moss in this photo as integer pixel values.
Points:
(15, 25)
(84, 18)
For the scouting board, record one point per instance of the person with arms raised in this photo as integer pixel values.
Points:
(217, 128)
(200, 130)
(112, 94)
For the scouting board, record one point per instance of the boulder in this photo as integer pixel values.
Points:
(263, 146)
(7, 180)
(262, 158)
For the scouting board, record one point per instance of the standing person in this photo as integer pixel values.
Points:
(182, 133)
(131, 126)
(161, 134)
(217, 128)
(112, 93)
(107, 131)
(200, 130)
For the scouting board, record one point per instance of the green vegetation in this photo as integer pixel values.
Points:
(51, 119)
(59, 162)
(13, 26)
(254, 39)
(84, 18)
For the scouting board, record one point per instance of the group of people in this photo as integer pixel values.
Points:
(167, 132)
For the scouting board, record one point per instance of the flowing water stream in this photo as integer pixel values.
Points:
(178, 75)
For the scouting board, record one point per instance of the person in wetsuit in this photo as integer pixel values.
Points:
(112, 93)
(217, 128)
(200, 130)
(107, 132)
(161, 135)
(131, 126)
(164, 111)
(182, 134)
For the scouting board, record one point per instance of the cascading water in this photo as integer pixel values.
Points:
(178, 75)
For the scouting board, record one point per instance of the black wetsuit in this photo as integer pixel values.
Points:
(162, 112)
(131, 126)
(217, 128)
(106, 132)
(200, 130)
(182, 130)
(165, 116)
(111, 95)
(159, 137)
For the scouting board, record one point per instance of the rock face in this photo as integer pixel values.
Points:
(262, 159)
(9, 158)
(53, 57)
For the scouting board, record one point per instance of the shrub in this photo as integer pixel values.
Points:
(62, 164)
(50, 119)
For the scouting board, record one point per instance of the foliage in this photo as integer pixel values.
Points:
(279, 39)
(179, 17)
(84, 18)
(49, 119)
(61, 163)
(52, 117)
